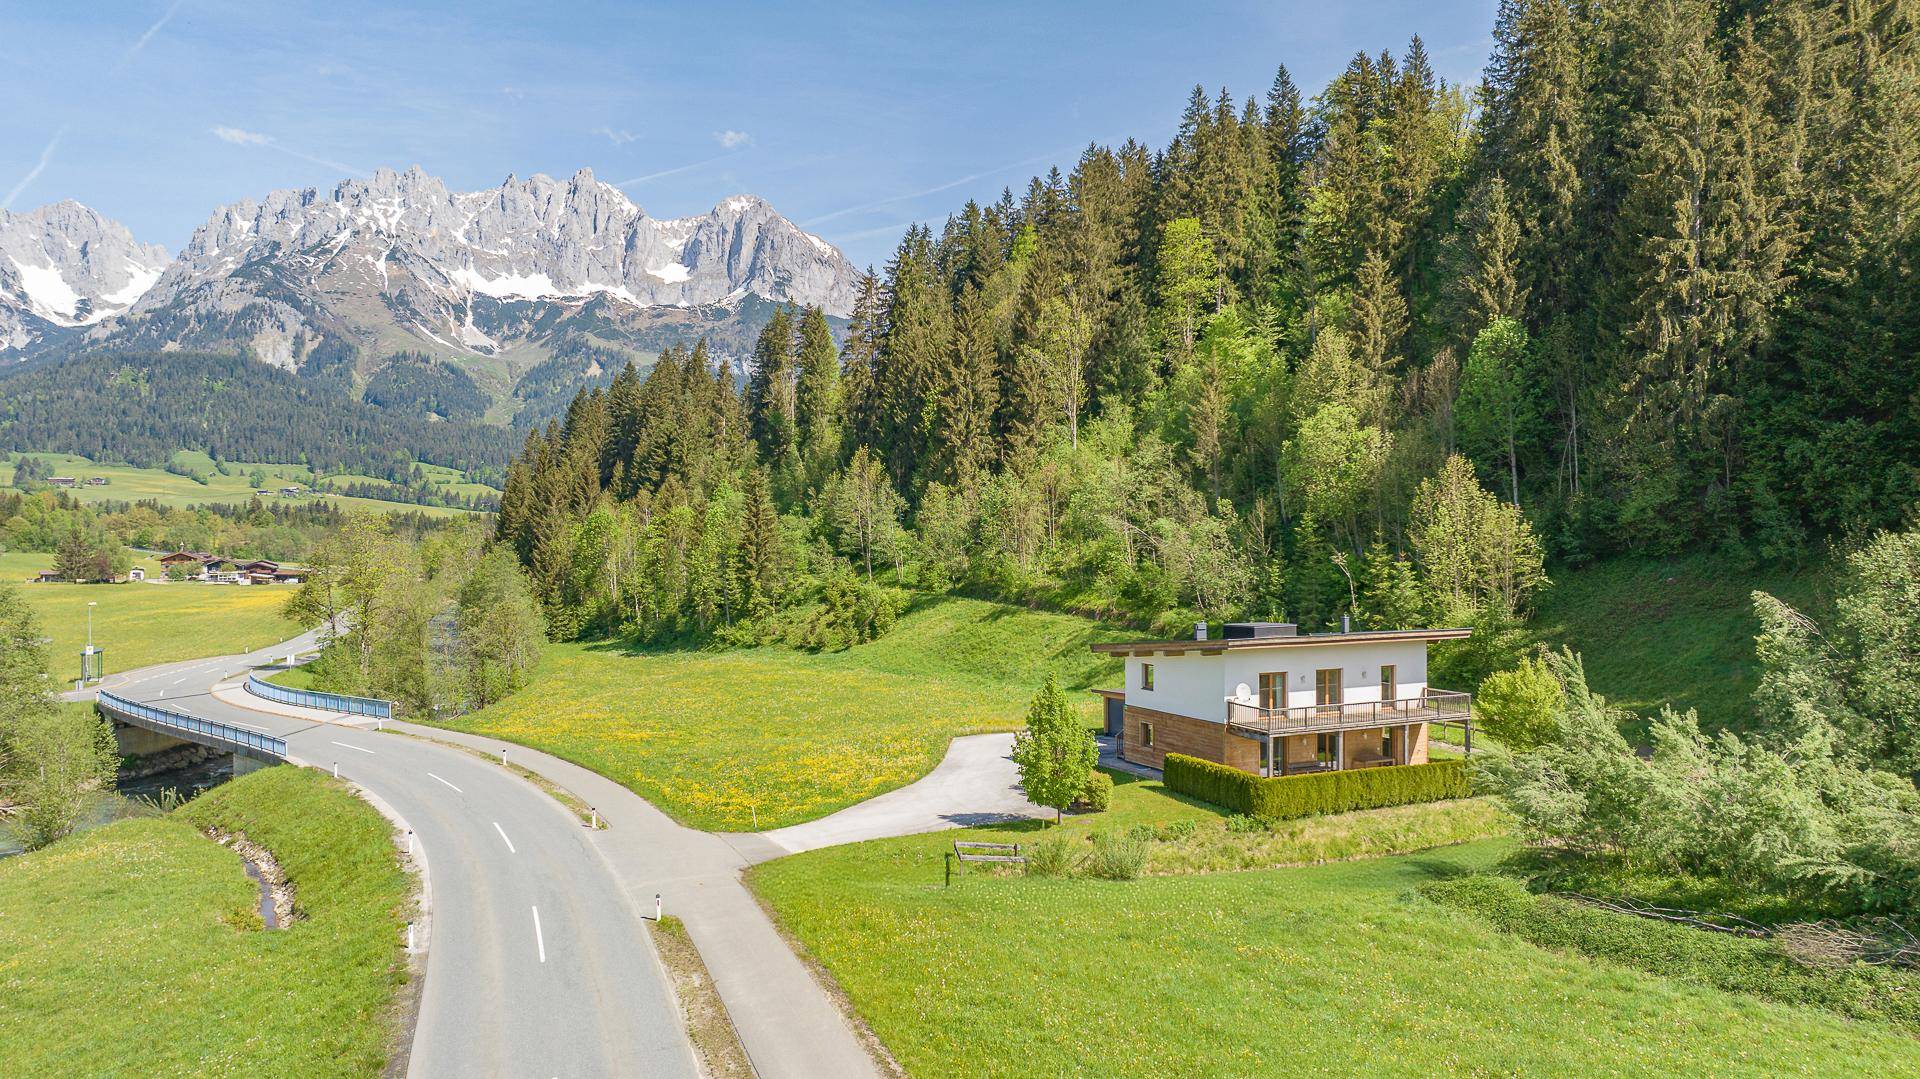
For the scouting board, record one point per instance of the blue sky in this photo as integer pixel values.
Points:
(852, 118)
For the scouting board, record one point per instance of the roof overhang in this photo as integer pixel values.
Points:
(1311, 640)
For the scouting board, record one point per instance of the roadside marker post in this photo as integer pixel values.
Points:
(409, 936)
(336, 769)
(503, 756)
(596, 818)
(409, 842)
(656, 906)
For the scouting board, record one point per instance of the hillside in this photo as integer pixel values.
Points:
(1671, 630)
(194, 479)
(143, 407)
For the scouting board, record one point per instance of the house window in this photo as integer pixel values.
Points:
(1328, 687)
(1146, 676)
(1273, 690)
(1146, 734)
(1389, 682)
(1323, 749)
(1386, 744)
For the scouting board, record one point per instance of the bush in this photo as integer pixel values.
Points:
(1696, 956)
(1050, 857)
(1177, 830)
(1521, 707)
(1117, 857)
(1290, 797)
(1098, 793)
(1241, 824)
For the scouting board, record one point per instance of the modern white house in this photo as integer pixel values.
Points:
(1268, 699)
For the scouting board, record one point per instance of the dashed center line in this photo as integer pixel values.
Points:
(456, 790)
(344, 745)
(538, 940)
(503, 838)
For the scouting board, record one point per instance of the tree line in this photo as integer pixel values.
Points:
(144, 407)
(1383, 352)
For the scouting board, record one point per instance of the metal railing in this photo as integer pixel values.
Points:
(313, 698)
(1438, 706)
(204, 731)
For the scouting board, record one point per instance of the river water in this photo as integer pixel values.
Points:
(125, 801)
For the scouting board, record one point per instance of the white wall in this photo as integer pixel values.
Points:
(1186, 685)
(1191, 684)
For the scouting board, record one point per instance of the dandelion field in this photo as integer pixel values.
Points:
(761, 738)
(1336, 969)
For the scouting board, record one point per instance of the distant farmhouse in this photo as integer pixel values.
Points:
(216, 569)
(60, 481)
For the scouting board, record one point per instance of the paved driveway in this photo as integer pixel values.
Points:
(975, 784)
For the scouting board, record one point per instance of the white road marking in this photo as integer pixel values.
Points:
(503, 838)
(248, 726)
(343, 745)
(537, 938)
(180, 679)
(456, 790)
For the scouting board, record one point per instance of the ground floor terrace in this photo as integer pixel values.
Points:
(1294, 741)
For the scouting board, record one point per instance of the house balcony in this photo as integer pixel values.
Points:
(1436, 706)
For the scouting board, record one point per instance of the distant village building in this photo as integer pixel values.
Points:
(60, 481)
(136, 574)
(199, 565)
(97, 481)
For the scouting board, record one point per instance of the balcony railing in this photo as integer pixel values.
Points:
(1437, 706)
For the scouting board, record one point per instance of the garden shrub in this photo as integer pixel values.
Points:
(1177, 830)
(1697, 956)
(1290, 797)
(1098, 793)
(1050, 857)
(1117, 857)
(1241, 824)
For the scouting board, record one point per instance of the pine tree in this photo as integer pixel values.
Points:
(819, 412)
(773, 394)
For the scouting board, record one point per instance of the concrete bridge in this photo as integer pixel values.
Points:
(143, 730)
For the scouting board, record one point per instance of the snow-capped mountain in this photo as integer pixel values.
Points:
(398, 262)
(65, 266)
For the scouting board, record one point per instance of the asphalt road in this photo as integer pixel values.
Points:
(538, 964)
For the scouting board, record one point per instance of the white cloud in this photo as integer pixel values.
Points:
(240, 137)
(618, 138)
(732, 139)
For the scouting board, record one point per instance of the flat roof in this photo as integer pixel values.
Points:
(1303, 640)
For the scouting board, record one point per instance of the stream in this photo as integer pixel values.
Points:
(190, 781)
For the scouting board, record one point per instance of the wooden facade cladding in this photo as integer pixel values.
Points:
(1184, 734)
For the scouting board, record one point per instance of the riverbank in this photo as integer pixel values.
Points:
(139, 946)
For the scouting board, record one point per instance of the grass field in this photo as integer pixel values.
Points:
(130, 484)
(1676, 630)
(772, 736)
(137, 949)
(143, 624)
(1338, 969)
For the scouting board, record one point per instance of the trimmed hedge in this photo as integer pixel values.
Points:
(1288, 797)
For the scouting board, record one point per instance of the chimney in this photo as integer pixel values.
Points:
(1199, 631)
(1346, 623)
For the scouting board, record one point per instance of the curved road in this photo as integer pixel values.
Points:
(538, 964)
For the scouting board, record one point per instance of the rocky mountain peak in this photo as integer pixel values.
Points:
(66, 265)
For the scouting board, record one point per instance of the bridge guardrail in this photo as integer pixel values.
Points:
(313, 698)
(234, 737)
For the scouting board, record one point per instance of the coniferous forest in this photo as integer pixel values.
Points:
(1393, 350)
